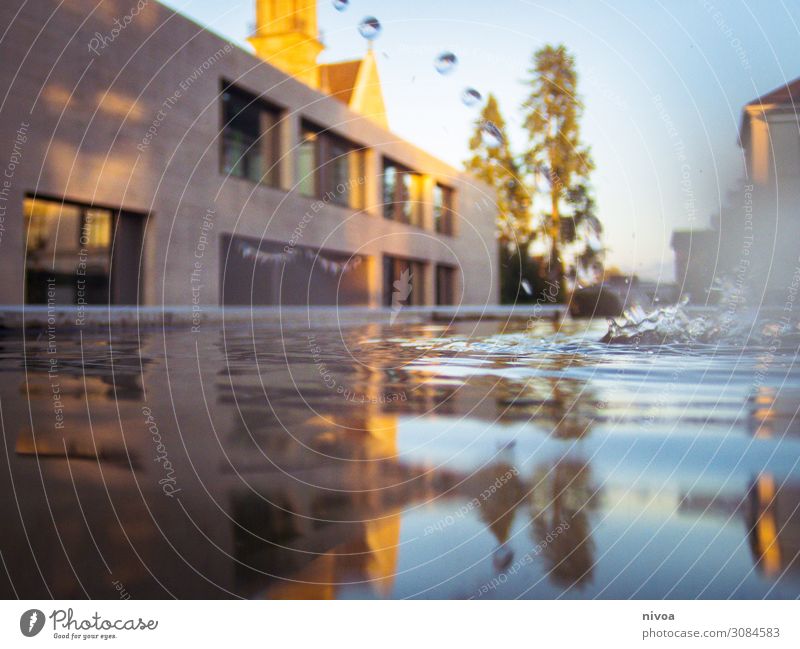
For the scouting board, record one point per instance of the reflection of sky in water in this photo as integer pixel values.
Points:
(653, 558)
(716, 457)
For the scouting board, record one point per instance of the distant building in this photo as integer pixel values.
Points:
(149, 161)
(696, 252)
(753, 246)
(761, 234)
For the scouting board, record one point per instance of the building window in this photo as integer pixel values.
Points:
(443, 213)
(402, 193)
(250, 138)
(330, 168)
(67, 249)
(403, 282)
(308, 163)
(68, 253)
(445, 285)
(96, 228)
(53, 229)
(346, 165)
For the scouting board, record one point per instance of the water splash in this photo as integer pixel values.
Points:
(471, 97)
(491, 135)
(446, 63)
(670, 324)
(726, 326)
(370, 28)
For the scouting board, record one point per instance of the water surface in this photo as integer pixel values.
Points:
(375, 461)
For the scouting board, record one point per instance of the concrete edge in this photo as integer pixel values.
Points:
(96, 318)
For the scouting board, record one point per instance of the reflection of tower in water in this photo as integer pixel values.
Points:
(338, 529)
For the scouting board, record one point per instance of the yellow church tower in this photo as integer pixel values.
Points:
(287, 37)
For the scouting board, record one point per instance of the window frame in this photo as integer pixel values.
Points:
(326, 182)
(97, 261)
(444, 215)
(451, 288)
(405, 207)
(395, 265)
(310, 134)
(265, 147)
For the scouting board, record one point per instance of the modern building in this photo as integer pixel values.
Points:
(150, 161)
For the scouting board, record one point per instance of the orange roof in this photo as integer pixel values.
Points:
(339, 79)
(357, 85)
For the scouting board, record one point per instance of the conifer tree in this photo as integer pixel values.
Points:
(493, 162)
(552, 119)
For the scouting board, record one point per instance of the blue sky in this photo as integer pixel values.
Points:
(663, 85)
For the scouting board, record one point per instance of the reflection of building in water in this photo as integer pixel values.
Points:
(314, 538)
(772, 412)
(565, 408)
(774, 525)
(770, 513)
(66, 390)
(368, 560)
(327, 487)
(328, 514)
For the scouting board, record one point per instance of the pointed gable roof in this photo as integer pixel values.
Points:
(357, 84)
(339, 79)
(789, 93)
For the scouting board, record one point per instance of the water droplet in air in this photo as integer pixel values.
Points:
(470, 97)
(370, 28)
(341, 5)
(446, 63)
(526, 286)
(491, 135)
